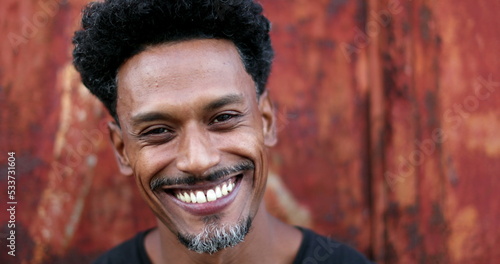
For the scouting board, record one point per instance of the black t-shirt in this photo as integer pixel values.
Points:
(314, 249)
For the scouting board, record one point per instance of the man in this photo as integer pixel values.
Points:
(185, 83)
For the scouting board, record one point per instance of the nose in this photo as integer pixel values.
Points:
(196, 153)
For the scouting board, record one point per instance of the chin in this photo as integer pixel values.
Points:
(215, 237)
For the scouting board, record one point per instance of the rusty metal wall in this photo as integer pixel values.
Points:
(435, 126)
(322, 105)
(387, 131)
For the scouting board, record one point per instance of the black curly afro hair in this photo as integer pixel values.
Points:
(115, 30)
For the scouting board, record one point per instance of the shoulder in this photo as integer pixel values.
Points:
(131, 251)
(320, 249)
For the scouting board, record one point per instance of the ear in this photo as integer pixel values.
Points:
(115, 133)
(268, 120)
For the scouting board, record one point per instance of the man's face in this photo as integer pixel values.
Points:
(192, 128)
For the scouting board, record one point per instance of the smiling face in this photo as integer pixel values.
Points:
(194, 135)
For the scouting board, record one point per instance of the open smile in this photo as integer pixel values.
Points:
(206, 199)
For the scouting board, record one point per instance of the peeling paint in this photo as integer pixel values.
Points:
(483, 133)
(284, 204)
(64, 78)
(463, 231)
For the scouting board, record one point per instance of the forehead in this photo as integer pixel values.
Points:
(181, 74)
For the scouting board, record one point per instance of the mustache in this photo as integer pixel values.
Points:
(191, 179)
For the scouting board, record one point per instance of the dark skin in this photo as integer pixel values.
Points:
(188, 108)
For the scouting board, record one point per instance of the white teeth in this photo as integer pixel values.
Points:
(211, 195)
(218, 192)
(200, 197)
(224, 189)
(193, 197)
(187, 197)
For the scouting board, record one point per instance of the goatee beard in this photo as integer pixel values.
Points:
(216, 237)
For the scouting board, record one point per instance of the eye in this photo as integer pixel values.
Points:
(222, 118)
(156, 131)
(157, 135)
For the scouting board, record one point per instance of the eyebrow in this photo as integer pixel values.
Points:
(148, 117)
(223, 101)
(214, 105)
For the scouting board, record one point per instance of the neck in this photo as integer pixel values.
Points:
(269, 241)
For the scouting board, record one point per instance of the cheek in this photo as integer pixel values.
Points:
(149, 161)
(248, 139)
(248, 143)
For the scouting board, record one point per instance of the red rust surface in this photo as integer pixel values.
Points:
(435, 189)
(322, 111)
(388, 131)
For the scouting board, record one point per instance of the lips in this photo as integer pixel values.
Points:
(205, 199)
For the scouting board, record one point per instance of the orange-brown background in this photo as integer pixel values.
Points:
(388, 123)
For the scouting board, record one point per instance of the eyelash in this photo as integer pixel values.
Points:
(152, 131)
(228, 117)
(157, 135)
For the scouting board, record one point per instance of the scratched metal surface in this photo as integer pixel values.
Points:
(321, 96)
(435, 133)
(361, 88)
